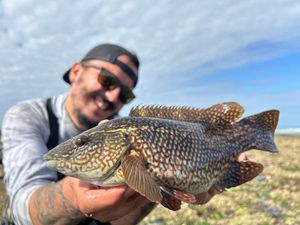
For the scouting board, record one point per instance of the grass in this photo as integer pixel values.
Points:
(3, 197)
(270, 199)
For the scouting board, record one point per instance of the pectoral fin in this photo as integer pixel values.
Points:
(137, 177)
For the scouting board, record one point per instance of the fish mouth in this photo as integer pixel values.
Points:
(51, 164)
(47, 157)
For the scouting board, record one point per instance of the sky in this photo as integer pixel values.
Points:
(192, 53)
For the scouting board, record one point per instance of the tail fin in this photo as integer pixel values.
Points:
(259, 131)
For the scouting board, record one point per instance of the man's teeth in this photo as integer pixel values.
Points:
(101, 104)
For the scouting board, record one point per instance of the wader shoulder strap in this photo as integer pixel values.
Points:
(54, 131)
(53, 124)
(52, 142)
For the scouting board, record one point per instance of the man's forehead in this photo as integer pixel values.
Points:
(111, 53)
(126, 59)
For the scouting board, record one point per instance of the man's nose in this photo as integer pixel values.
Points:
(113, 95)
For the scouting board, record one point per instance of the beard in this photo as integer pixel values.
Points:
(86, 123)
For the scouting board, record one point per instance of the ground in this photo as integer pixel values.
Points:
(271, 198)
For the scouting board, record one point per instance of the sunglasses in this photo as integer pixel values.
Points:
(109, 81)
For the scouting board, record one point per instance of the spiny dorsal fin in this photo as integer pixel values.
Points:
(137, 177)
(227, 112)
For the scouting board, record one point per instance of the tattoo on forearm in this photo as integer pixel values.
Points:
(52, 207)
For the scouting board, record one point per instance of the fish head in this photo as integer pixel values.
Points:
(93, 155)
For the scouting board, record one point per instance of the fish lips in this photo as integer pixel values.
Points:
(50, 161)
(52, 164)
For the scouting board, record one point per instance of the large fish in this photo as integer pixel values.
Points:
(169, 154)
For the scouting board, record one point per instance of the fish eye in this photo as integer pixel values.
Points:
(81, 141)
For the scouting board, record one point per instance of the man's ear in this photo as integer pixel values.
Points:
(75, 71)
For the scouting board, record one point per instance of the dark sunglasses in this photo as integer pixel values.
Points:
(109, 81)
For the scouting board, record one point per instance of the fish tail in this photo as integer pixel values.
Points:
(258, 130)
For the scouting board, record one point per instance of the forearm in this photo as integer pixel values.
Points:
(51, 205)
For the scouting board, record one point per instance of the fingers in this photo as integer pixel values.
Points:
(101, 199)
(123, 208)
(107, 194)
(106, 203)
(204, 197)
(136, 215)
(242, 157)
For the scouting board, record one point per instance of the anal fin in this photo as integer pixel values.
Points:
(137, 177)
(180, 195)
(239, 173)
(170, 202)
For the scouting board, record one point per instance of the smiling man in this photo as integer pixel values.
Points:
(100, 84)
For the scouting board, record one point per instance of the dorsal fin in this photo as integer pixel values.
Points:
(227, 112)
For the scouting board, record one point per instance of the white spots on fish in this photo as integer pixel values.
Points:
(89, 165)
(74, 168)
(169, 174)
(83, 168)
(156, 157)
(110, 163)
(167, 160)
(226, 108)
(95, 164)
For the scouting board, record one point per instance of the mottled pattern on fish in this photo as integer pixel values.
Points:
(168, 153)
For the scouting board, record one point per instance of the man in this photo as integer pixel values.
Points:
(100, 84)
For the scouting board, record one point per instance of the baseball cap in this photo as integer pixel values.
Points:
(110, 53)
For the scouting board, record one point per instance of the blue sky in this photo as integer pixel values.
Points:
(198, 53)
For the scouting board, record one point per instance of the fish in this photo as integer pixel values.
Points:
(169, 154)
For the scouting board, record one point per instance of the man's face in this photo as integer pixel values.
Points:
(89, 101)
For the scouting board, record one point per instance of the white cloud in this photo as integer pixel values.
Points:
(40, 39)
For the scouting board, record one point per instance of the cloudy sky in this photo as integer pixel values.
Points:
(194, 53)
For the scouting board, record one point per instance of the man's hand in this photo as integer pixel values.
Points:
(104, 204)
(70, 201)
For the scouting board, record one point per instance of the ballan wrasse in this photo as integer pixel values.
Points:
(169, 154)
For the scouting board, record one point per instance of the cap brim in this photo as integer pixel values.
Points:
(66, 76)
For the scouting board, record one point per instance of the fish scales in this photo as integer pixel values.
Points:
(179, 150)
(168, 153)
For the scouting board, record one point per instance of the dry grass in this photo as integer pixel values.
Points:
(3, 197)
(272, 198)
